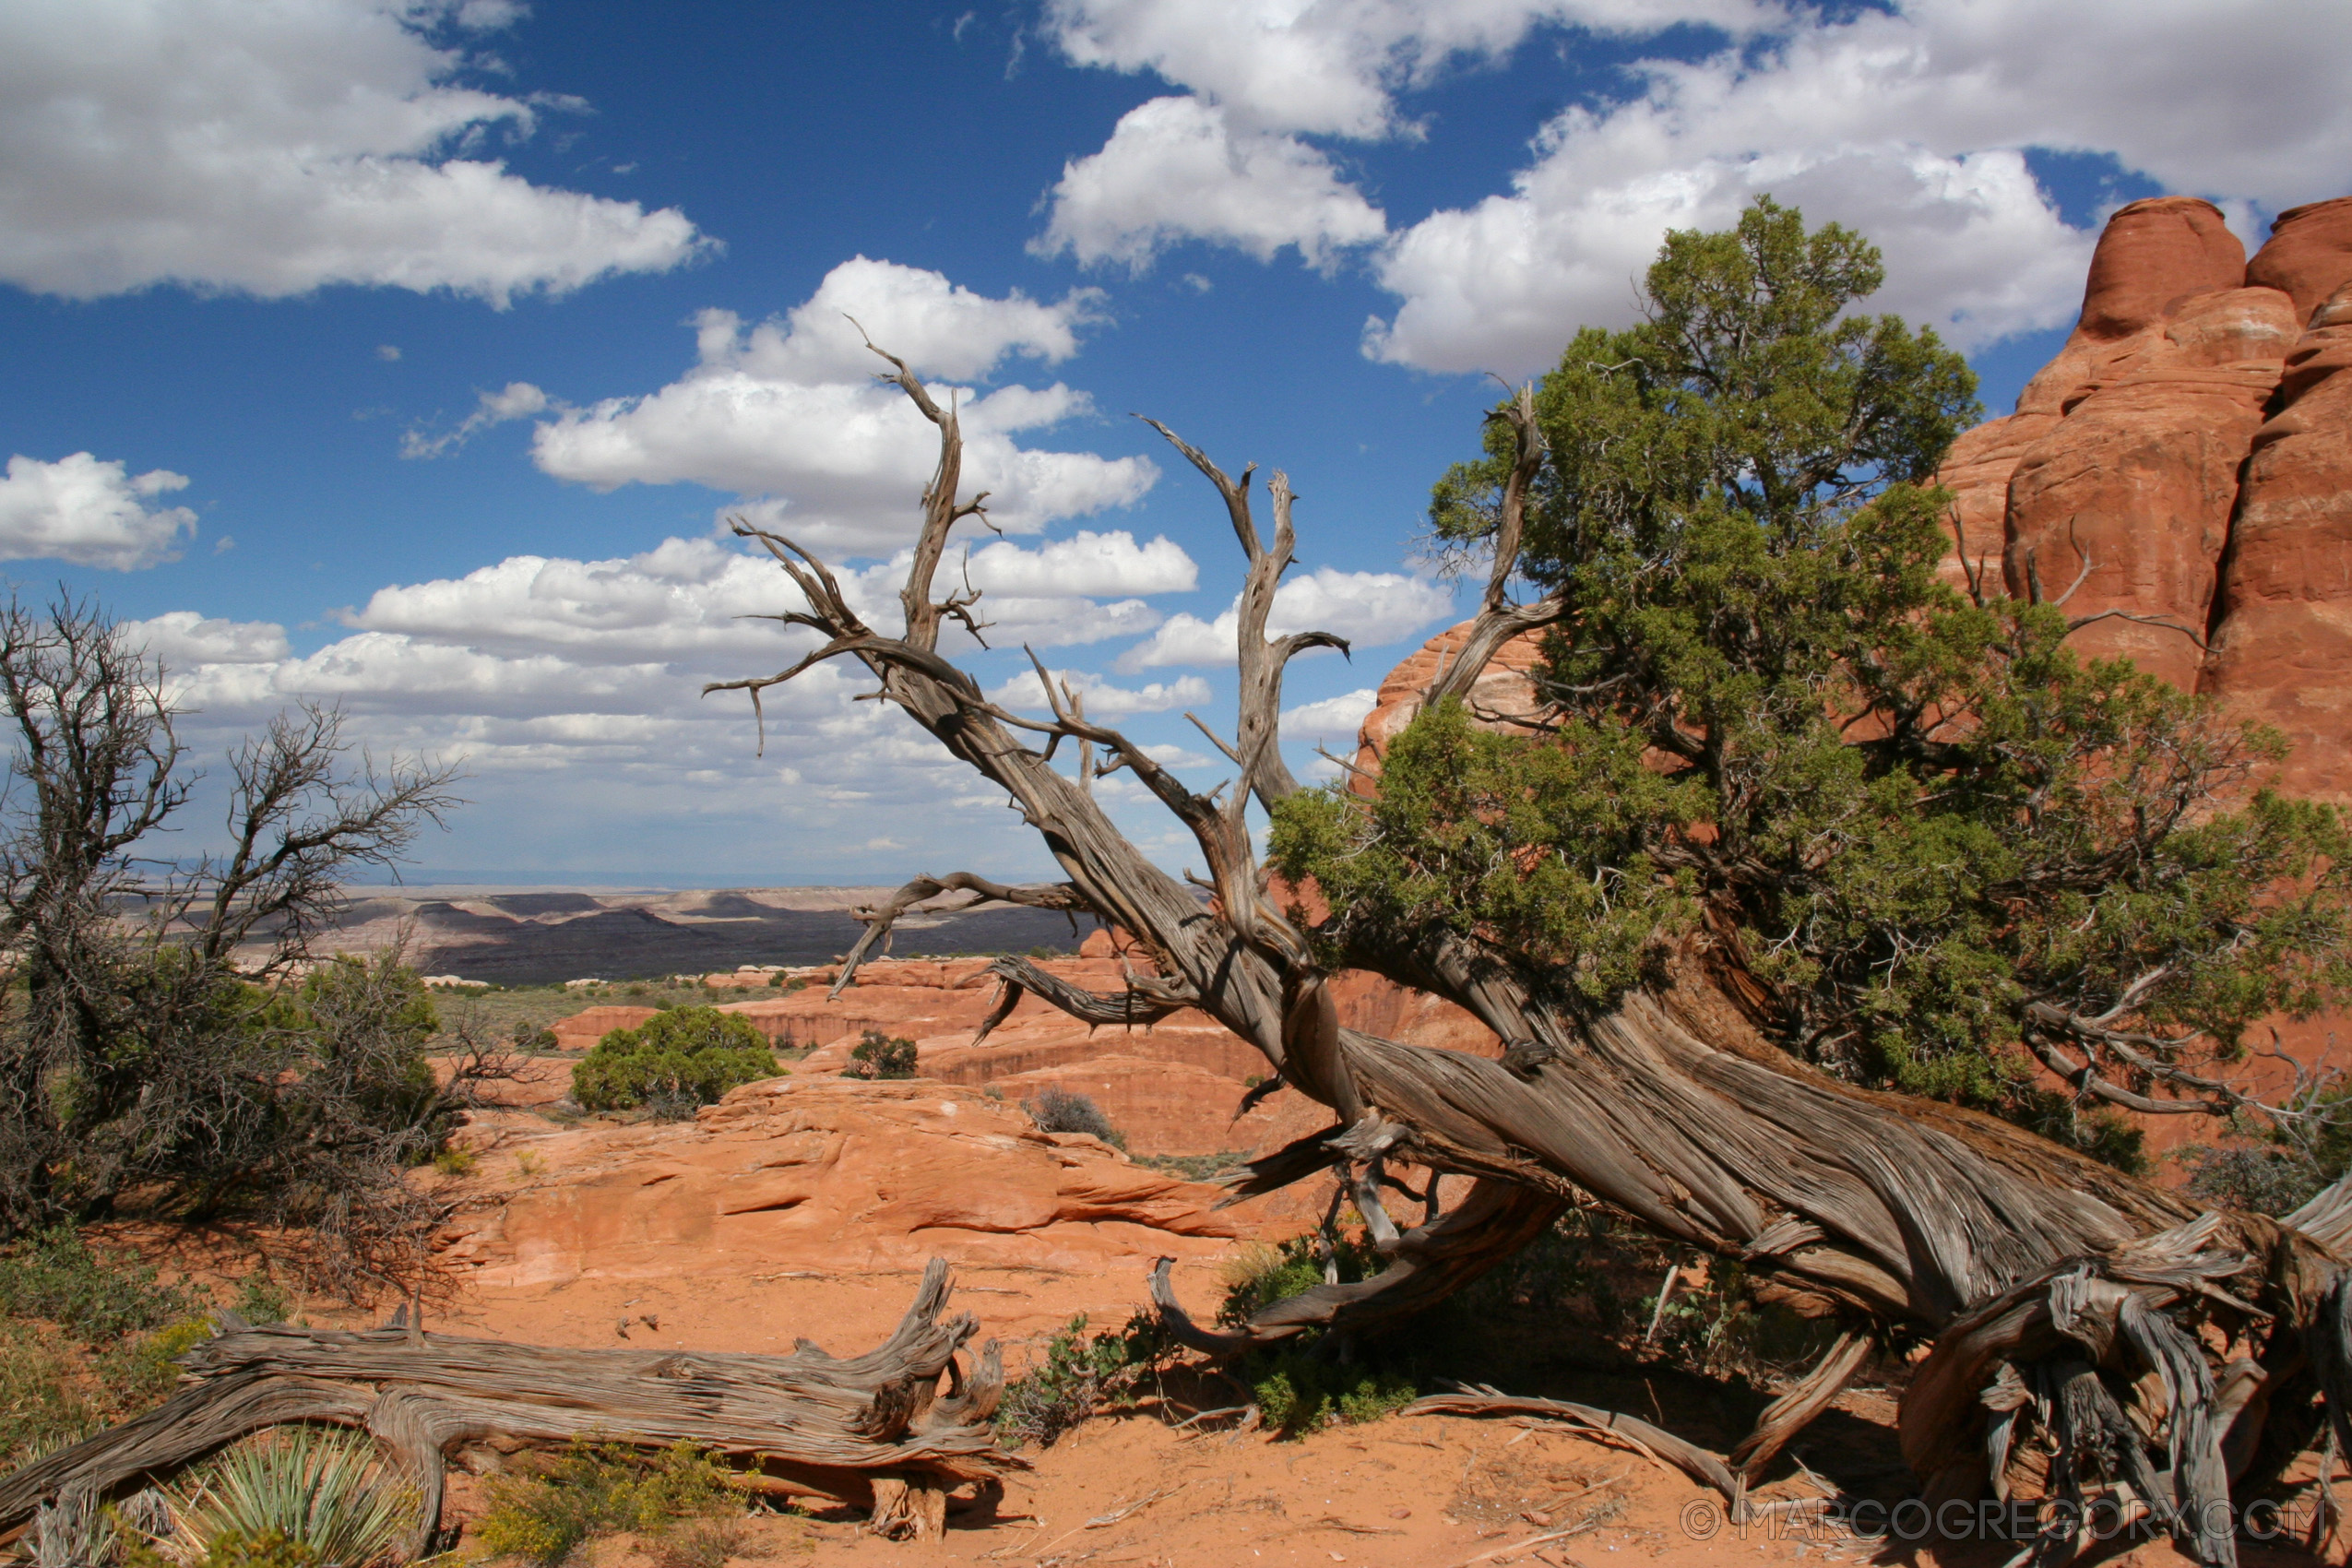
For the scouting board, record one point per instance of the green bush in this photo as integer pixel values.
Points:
(1262, 1275)
(880, 1056)
(1077, 1373)
(132, 1330)
(53, 1274)
(1298, 1392)
(1056, 1110)
(592, 1489)
(689, 1054)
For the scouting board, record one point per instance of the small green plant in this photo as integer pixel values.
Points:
(1262, 1275)
(1299, 1392)
(53, 1275)
(294, 1497)
(688, 1053)
(1056, 1110)
(880, 1056)
(527, 1164)
(455, 1161)
(261, 1300)
(1077, 1373)
(591, 1488)
(534, 1040)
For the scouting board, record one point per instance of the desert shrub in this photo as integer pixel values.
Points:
(879, 1056)
(2271, 1169)
(296, 1496)
(592, 1489)
(455, 1161)
(53, 1275)
(1298, 1392)
(1262, 1275)
(692, 1053)
(705, 1543)
(136, 1374)
(86, 1339)
(534, 1040)
(1077, 1373)
(2264, 1177)
(1195, 1167)
(1056, 1110)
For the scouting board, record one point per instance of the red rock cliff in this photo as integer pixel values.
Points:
(2188, 456)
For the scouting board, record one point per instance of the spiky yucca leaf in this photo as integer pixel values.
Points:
(324, 1491)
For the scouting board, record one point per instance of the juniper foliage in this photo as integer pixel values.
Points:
(1939, 843)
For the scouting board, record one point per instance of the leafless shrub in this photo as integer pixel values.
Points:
(166, 1034)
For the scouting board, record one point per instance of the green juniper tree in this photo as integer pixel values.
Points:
(1934, 844)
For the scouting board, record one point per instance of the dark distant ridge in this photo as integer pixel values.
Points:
(536, 939)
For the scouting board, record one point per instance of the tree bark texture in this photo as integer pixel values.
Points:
(876, 1429)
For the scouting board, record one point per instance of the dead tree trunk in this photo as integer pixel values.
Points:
(875, 1430)
(1886, 1212)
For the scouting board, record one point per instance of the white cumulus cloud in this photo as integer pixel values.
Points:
(1086, 562)
(1334, 68)
(274, 149)
(1103, 699)
(1333, 719)
(787, 414)
(1367, 608)
(1175, 169)
(1909, 122)
(696, 599)
(90, 512)
(183, 640)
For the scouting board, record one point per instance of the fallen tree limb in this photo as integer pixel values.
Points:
(1651, 1441)
(872, 1429)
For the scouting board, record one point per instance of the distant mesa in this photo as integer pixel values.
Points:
(466, 936)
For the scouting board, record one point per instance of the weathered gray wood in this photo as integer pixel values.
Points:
(833, 1424)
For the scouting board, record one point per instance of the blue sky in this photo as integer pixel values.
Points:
(408, 356)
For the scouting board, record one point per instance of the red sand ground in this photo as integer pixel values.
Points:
(580, 1258)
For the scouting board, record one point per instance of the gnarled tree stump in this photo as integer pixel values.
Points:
(875, 1429)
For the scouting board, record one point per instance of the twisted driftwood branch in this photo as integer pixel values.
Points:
(1145, 1003)
(872, 1428)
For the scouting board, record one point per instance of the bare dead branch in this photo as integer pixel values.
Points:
(879, 920)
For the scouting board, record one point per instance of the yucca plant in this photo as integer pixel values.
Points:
(319, 1497)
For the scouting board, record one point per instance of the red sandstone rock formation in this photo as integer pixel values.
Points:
(1503, 687)
(829, 1175)
(2283, 651)
(1170, 1087)
(2137, 430)
(2191, 442)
